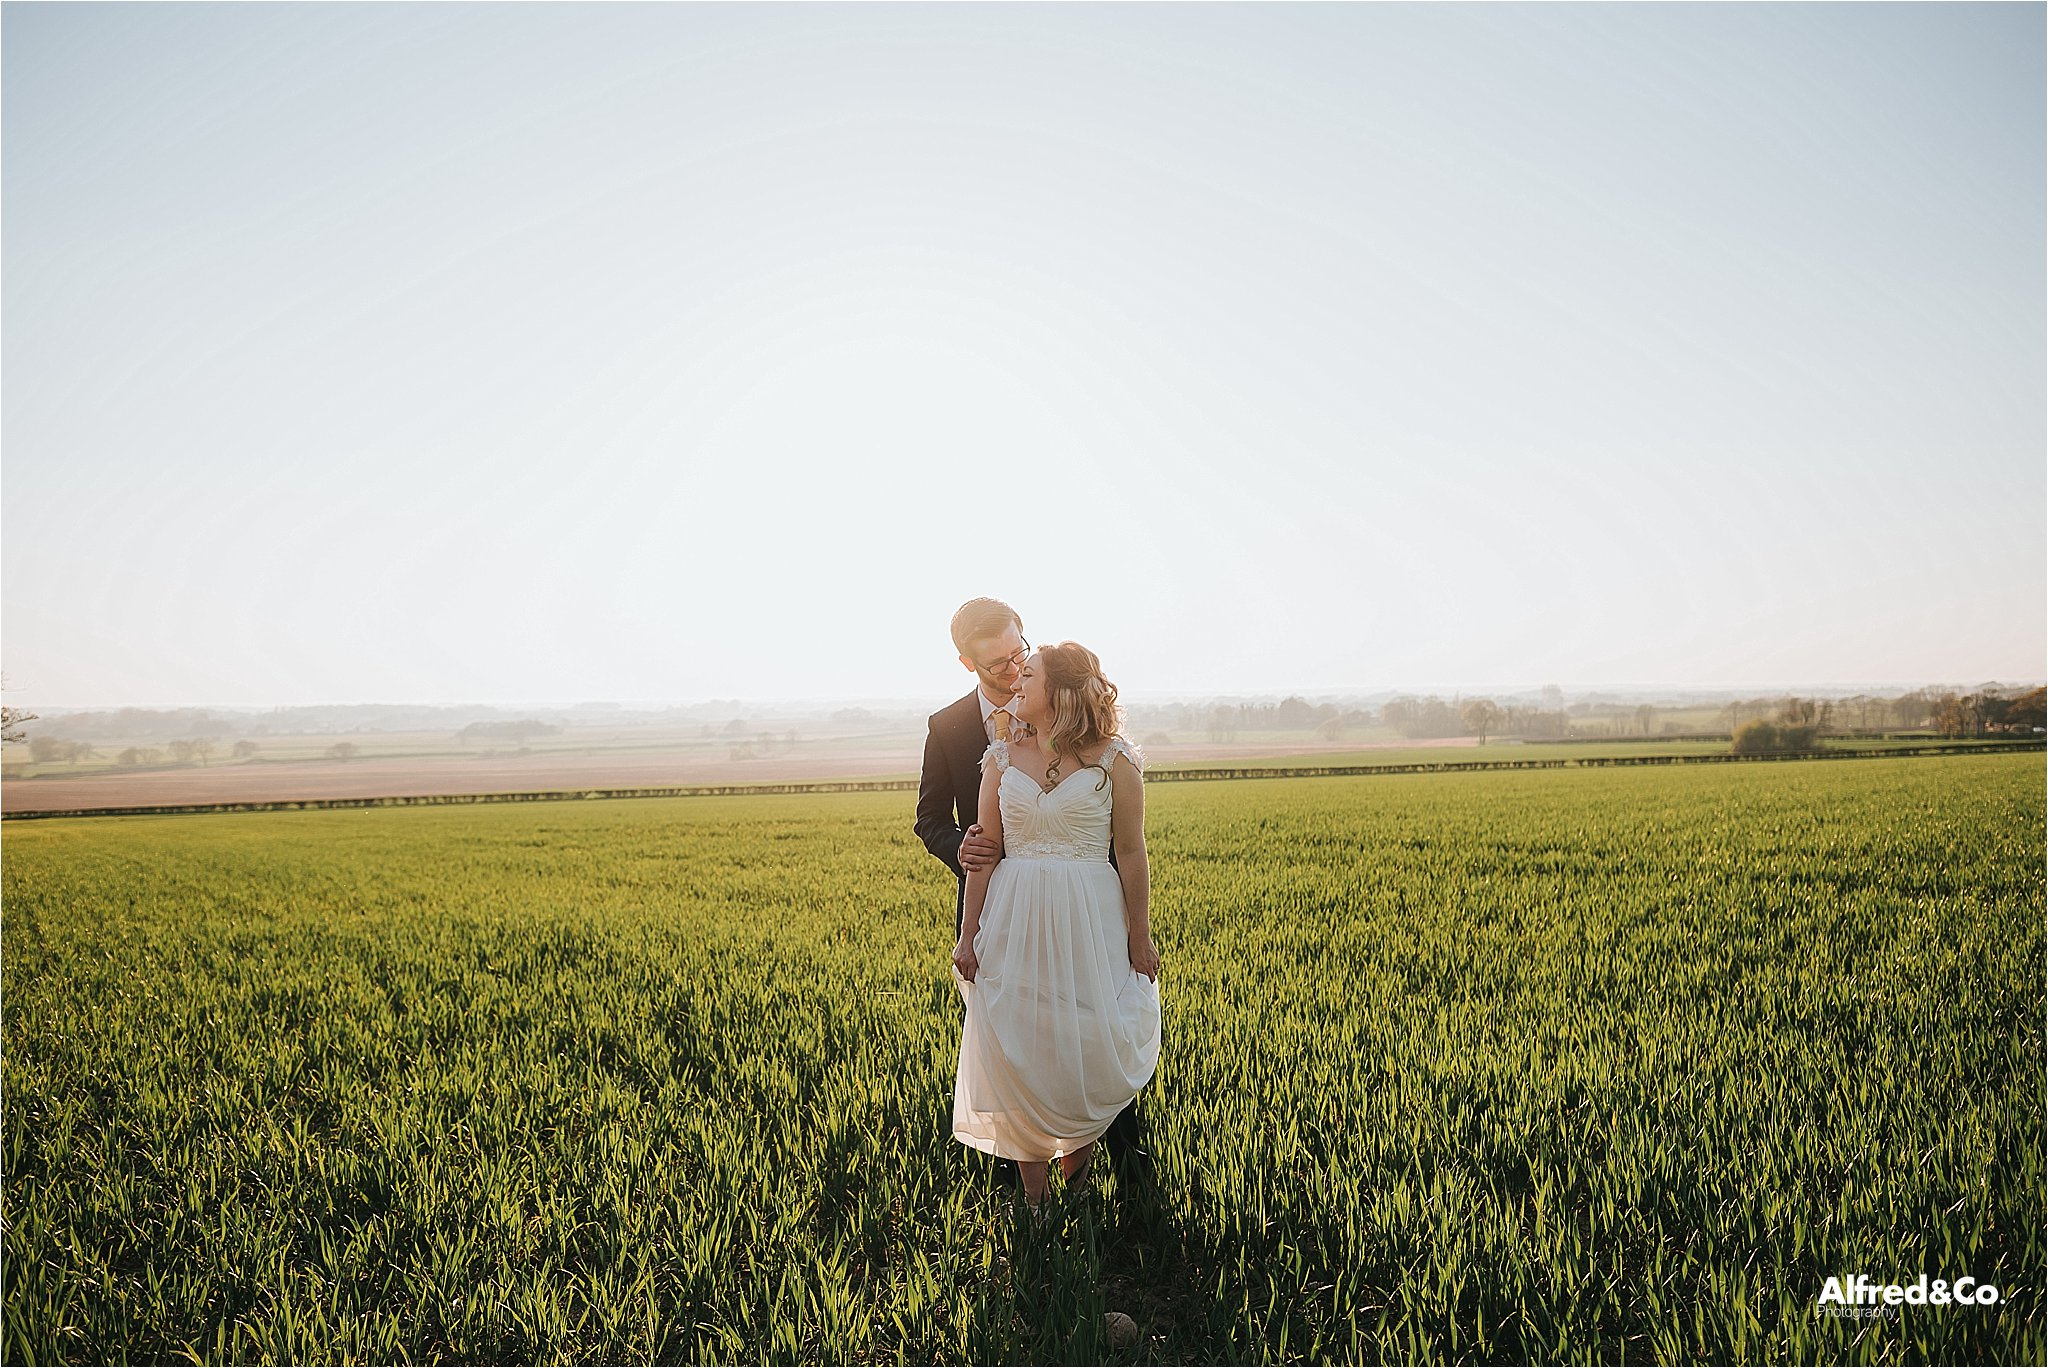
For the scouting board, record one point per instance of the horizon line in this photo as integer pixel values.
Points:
(1306, 692)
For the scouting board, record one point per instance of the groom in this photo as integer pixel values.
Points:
(989, 636)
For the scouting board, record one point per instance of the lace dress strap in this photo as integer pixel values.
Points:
(996, 757)
(1130, 752)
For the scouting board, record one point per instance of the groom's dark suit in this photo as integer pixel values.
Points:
(948, 802)
(949, 788)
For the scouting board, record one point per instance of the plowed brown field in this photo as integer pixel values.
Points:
(388, 777)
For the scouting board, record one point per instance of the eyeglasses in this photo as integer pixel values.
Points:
(1016, 657)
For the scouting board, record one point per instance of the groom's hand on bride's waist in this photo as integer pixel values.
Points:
(978, 850)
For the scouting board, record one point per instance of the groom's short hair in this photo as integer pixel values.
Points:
(979, 619)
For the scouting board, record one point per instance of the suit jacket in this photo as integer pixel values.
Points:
(949, 788)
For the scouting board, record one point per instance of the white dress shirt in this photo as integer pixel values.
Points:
(988, 710)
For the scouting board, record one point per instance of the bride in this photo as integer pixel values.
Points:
(1055, 959)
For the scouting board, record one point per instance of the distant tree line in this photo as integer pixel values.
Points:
(47, 750)
(1223, 721)
(143, 724)
(1989, 710)
(523, 729)
(162, 725)
(1797, 727)
(762, 744)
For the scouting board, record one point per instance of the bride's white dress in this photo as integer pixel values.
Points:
(1061, 1032)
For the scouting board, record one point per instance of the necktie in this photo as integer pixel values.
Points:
(1001, 718)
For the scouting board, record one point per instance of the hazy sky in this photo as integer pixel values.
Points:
(480, 353)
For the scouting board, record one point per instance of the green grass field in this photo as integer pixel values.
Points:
(1602, 1065)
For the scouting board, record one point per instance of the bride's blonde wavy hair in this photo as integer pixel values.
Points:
(1082, 703)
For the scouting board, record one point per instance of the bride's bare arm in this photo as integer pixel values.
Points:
(1127, 834)
(989, 814)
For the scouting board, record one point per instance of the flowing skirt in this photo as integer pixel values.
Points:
(1061, 1032)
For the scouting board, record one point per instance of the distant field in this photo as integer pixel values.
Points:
(297, 770)
(387, 765)
(1558, 1066)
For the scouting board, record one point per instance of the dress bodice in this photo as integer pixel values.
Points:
(1070, 821)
